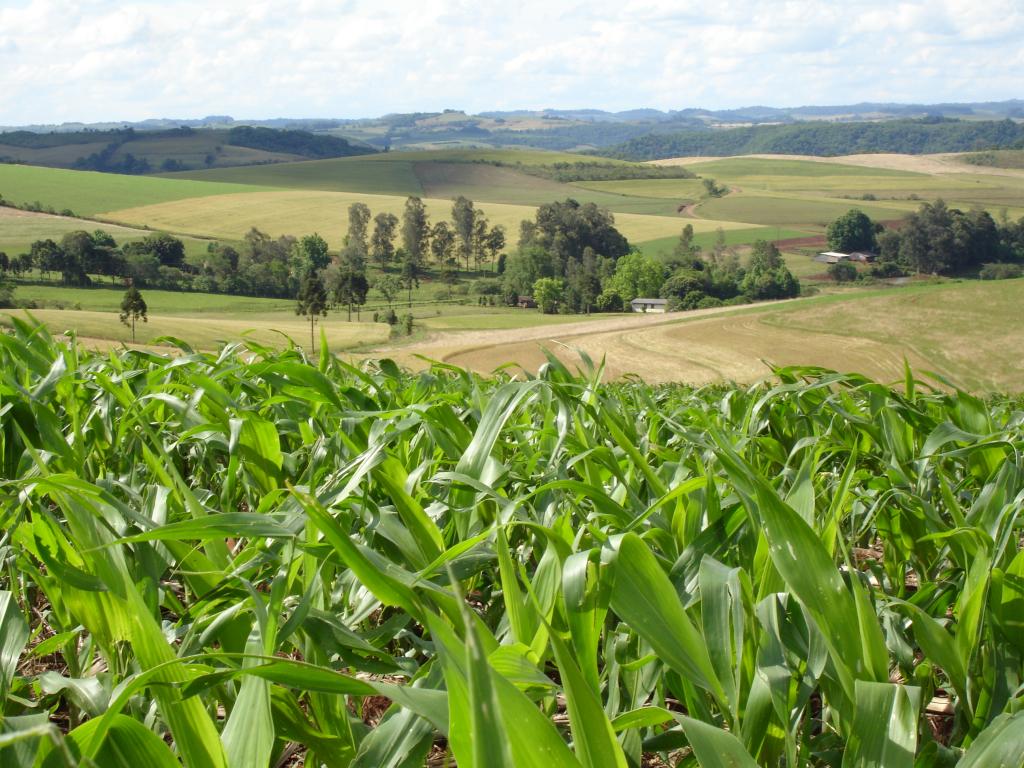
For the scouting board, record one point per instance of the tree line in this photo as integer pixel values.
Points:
(919, 136)
(571, 259)
(935, 239)
(403, 248)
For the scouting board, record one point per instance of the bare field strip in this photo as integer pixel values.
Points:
(931, 164)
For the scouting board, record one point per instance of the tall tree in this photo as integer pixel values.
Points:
(133, 307)
(415, 230)
(309, 254)
(388, 286)
(314, 248)
(565, 228)
(358, 221)
(464, 222)
(350, 285)
(382, 242)
(767, 275)
(686, 254)
(583, 282)
(636, 276)
(78, 248)
(442, 243)
(853, 231)
(494, 242)
(480, 236)
(410, 272)
(47, 257)
(6, 292)
(311, 301)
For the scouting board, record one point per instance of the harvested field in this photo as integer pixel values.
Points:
(961, 331)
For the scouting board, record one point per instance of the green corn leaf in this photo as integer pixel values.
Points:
(14, 634)
(884, 731)
(125, 743)
(592, 734)
(714, 747)
(644, 598)
(1000, 745)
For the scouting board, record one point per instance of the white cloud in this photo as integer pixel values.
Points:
(102, 60)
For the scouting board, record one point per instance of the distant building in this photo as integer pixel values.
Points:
(831, 257)
(526, 302)
(649, 305)
(862, 256)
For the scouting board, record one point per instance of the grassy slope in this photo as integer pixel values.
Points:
(1000, 158)
(386, 174)
(707, 238)
(206, 320)
(108, 299)
(210, 330)
(441, 175)
(88, 193)
(300, 212)
(792, 211)
(803, 193)
(190, 149)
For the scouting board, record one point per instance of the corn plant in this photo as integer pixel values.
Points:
(252, 558)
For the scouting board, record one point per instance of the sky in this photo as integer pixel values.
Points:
(96, 60)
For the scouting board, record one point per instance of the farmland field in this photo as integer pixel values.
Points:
(19, 229)
(299, 212)
(390, 174)
(798, 196)
(208, 329)
(251, 557)
(959, 330)
(88, 193)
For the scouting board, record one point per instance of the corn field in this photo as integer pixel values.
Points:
(252, 558)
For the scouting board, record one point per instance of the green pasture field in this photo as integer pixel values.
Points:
(205, 320)
(429, 297)
(446, 174)
(794, 211)
(88, 193)
(60, 155)
(510, 156)
(192, 150)
(208, 330)
(707, 238)
(828, 182)
(386, 174)
(101, 298)
(679, 190)
(758, 166)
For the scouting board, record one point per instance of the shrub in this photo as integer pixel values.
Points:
(609, 301)
(1001, 271)
(843, 272)
(486, 286)
(709, 302)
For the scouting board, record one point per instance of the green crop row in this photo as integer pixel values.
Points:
(249, 558)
